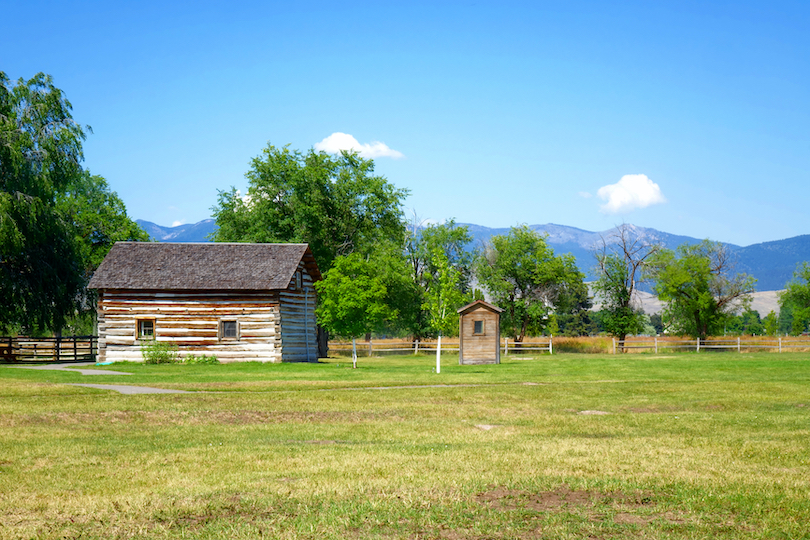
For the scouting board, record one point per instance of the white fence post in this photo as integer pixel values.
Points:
(505, 346)
(416, 347)
(698, 345)
(738, 344)
(614, 345)
(780, 343)
(549, 344)
(656, 344)
(439, 354)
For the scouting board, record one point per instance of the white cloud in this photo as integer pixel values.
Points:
(631, 192)
(177, 223)
(337, 141)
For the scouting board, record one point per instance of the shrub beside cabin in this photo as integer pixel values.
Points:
(479, 332)
(239, 302)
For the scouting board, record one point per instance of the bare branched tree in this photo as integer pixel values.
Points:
(623, 259)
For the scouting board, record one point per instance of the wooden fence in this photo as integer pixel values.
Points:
(55, 349)
(449, 345)
(775, 344)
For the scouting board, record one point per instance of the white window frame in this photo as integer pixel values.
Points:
(139, 329)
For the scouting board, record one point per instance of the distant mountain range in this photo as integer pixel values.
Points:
(772, 263)
(192, 232)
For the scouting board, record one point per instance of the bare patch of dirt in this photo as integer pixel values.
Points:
(486, 427)
(637, 508)
(591, 412)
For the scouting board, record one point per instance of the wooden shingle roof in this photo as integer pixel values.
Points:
(479, 303)
(205, 266)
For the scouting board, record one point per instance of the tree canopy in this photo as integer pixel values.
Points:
(40, 155)
(699, 288)
(352, 297)
(795, 299)
(56, 221)
(622, 264)
(526, 279)
(336, 204)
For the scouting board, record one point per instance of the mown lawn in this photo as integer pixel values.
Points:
(712, 445)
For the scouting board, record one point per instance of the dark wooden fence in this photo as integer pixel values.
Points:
(54, 349)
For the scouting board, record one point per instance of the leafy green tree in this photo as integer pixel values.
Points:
(526, 279)
(99, 219)
(657, 323)
(352, 299)
(795, 299)
(572, 311)
(771, 323)
(622, 266)
(428, 248)
(404, 297)
(746, 323)
(786, 319)
(336, 204)
(443, 297)
(41, 275)
(699, 288)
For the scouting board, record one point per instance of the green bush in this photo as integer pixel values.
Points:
(159, 352)
(201, 359)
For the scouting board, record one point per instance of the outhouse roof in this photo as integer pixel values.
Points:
(205, 266)
(479, 303)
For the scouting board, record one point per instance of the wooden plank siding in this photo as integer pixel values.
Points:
(299, 329)
(482, 347)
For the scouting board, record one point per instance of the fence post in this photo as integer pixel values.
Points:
(780, 343)
(416, 347)
(75, 351)
(549, 344)
(370, 348)
(58, 346)
(505, 346)
(614, 345)
(656, 344)
(738, 344)
(698, 345)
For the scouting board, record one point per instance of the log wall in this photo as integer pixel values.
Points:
(192, 321)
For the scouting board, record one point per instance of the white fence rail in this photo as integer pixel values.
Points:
(777, 344)
(370, 348)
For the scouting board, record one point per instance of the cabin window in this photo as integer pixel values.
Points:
(478, 328)
(299, 280)
(146, 329)
(229, 330)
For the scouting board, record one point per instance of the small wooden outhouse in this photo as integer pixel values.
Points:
(479, 331)
(237, 301)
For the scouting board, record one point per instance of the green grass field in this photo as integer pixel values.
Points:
(566, 446)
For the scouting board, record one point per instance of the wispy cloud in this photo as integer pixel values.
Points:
(584, 194)
(177, 223)
(337, 141)
(631, 192)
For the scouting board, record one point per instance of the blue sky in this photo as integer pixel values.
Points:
(689, 117)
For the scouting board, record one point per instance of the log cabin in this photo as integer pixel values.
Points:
(236, 301)
(479, 333)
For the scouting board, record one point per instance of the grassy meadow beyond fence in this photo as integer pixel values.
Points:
(602, 446)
